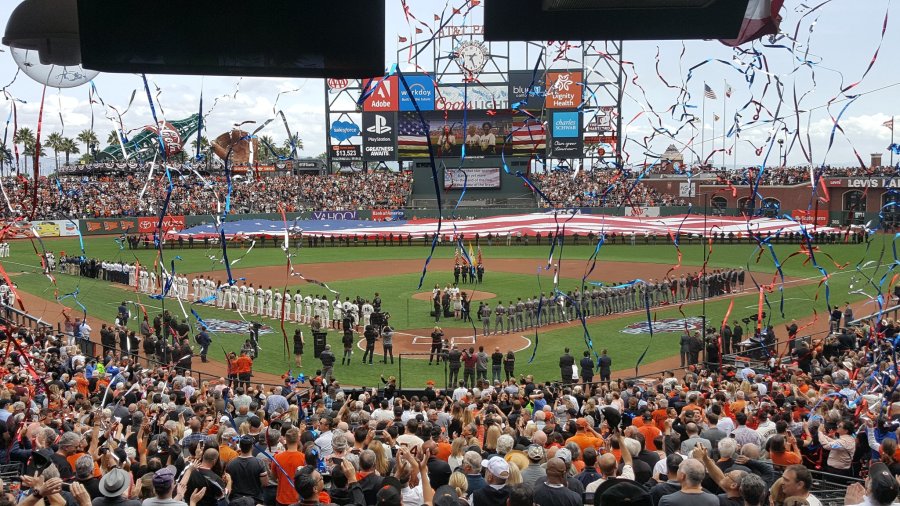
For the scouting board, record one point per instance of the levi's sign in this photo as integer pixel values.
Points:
(873, 182)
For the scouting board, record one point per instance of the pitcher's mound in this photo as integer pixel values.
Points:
(473, 295)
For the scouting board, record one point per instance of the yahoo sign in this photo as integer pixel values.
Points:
(334, 215)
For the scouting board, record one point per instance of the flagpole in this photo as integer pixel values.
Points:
(703, 126)
(892, 141)
(724, 115)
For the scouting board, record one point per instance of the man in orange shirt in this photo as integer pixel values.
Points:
(81, 384)
(649, 430)
(660, 414)
(289, 461)
(586, 436)
(243, 366)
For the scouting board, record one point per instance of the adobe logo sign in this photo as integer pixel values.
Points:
(386, 96)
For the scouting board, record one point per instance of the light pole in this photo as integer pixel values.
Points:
(780, 147)
(704, 283)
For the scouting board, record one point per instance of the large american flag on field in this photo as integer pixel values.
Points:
(582, 224)
(411, 135)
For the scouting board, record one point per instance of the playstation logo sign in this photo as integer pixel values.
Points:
(380, 126)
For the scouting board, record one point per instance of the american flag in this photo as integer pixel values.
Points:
(708, 92)
(412, 136)
(889, 124)
(528, 137)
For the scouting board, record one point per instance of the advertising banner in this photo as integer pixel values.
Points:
(147, 224)
(457, 97)
(108, 226)
(385, 97)
(484, 135)
(379, 136)
(457, 179)
(566, 134)
(811, 217)
(523, 81)
(643, 212)
(346, 152)
(43, 228)
(422, 89)
(334, 215)
(388, 214)
(343, 130)
(564, 89)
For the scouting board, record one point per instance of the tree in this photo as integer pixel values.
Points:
(69, 147)
(87, 137)
(55, 142)
(25, 137)
(267, 144)
(6, 157)
(298, 143)
(112, 138)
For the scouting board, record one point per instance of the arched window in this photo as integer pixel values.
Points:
(890, 213)
(719, 204)
(771, 208)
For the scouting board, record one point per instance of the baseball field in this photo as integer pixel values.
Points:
(854, 272)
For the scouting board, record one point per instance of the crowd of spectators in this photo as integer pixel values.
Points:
(598, 189)
(787, 176)
(135, 195)
(103, 430)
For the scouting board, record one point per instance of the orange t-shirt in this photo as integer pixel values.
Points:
(290, 461)
(81, 385)
(660, 417)
(71, 459)
(226, 453)
(650, 433)
(585, 440)
(785, 458)
(443, 451)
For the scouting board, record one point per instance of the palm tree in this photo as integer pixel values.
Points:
(6, 157)
(297, 142)
(55, 142)
(70, 147)
(267, 144)
(88, 138)
(112, 138)
(25, 137)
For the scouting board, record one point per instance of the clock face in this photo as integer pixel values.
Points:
(471, 56)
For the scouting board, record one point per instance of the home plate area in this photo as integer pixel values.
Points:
(418, 341)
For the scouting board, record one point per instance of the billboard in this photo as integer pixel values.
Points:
(483, 134)
(343, 130)
(566, 134)
(564, 89)
(334, 215)
(379, 136)
(147, 225)
(385, 97)
(472, 97)
(108, 226)
(523, 81)
(457, 179)
(346, 152)
(422, 89)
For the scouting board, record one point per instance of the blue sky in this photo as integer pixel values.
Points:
(844, 37)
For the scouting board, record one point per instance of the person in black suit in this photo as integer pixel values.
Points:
(587, 368)
(566, 361)
(604, 363)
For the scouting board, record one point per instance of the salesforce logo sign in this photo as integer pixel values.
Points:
(343, 130)
(422, 89)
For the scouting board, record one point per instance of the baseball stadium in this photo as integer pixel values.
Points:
(569, 265)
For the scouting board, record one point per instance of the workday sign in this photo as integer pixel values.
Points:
(421, 88)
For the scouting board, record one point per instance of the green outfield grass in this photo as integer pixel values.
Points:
(101, 299)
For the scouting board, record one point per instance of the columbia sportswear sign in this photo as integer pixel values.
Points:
(379, 136)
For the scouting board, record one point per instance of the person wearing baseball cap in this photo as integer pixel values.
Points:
(164, 487)
(534, 473)
(880, 490)
(496, 474)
